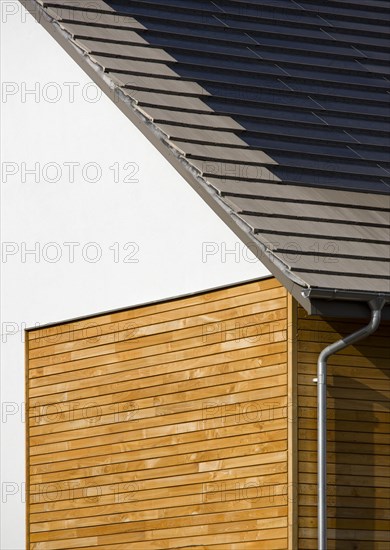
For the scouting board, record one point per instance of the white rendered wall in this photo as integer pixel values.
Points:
(164, 218)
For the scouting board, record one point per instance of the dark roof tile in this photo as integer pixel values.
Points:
(282, 108)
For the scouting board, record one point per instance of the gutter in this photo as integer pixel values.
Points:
(348, 295)
(376, 306)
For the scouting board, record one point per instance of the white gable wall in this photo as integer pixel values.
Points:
(59, 125)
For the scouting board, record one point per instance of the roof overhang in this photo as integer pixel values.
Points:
(316, 301)
(337, 303)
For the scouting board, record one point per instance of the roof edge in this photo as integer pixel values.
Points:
(294, 284)
(339, 303)
(347, 295)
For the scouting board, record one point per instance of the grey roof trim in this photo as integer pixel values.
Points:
(179, 160)
(335, 294)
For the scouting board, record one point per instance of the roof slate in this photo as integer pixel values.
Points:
(280, 107)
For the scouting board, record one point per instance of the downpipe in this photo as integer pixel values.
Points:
(376, 306)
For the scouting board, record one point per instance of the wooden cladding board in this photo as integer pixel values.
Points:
(358, 436)
(163, 426)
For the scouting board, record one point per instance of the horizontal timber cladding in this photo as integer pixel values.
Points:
(358, 436)
(162, 426)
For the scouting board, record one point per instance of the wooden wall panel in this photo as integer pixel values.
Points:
(358, 436)
(163, 426)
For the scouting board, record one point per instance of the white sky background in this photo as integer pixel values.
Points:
(160, 213)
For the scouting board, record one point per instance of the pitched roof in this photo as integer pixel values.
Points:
(276, 112)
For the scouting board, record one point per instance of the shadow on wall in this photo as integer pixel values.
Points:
(358, 492)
